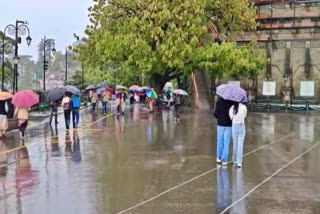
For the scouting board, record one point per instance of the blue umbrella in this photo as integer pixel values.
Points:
(233, 93)
(72, 89)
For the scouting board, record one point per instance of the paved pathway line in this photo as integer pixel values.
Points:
(199, 176)
(270, 177)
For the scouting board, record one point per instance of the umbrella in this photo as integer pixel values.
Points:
(152, 94)
(168, 86)
(91, 87)
(5, 95)
(56, 94)
(121, 88)
(72, 89)
(104, 85)
(25, 99)
(233, 93)
(135, 88)
(145, 88)
(100, 90)
(180, 92)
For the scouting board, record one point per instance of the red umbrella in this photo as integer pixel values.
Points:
(25, 99)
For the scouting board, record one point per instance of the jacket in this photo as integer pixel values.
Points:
(221, 112)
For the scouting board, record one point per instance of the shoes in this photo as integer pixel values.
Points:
(219, 161)
(224, 163)
(239, 165)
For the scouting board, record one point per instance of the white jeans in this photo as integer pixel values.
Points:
(238, 136)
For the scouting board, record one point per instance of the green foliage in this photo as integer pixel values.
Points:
(128, 40)
(229, 59)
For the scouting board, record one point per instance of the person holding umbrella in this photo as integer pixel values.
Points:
(66, 104)
(75, 103)
(238, 114)
(54, 95)
(94, 100)
(4, 96)
(105, 100)
(228, 94)
(23, 100)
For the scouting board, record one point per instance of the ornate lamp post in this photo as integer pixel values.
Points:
(18, 30)
(47, 44)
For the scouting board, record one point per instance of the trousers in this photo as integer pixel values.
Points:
(238, 136)
(223, 141)
(75, 118)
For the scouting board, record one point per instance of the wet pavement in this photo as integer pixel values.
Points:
(146, 163)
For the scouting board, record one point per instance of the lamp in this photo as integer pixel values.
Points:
(29, 40)
(16, 60)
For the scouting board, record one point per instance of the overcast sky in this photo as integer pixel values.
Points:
(57, 19)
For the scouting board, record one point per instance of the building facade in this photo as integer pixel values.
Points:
(289, 30)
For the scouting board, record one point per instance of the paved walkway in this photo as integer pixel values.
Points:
(144, 163)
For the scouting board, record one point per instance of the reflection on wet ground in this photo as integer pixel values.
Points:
(144, 163)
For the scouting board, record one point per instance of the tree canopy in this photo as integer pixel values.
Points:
(162, 39)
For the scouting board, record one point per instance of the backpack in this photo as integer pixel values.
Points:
(75, 102)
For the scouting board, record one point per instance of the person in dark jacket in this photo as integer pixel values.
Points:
(224, 129)
(54, 111)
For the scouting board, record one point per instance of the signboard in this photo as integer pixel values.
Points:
(237, 83)
(269, 88)
(307, 88)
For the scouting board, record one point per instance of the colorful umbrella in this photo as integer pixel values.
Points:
(152, 94)
(72, 89)
(56, 94)
(91, 87)
(25, 99)
(180, 92)
(233, 93)
(135, 88)
(5, 95)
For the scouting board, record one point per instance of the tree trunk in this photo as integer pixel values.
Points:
(157, 82)
(201, 90)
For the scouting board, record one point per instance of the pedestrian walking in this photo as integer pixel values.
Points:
(105, 100)
(54, 111)
(238, 114)
(223, 130)
(75, 103)
(123, 102)
(94, 100)
(23, 116)
(176, 103)
(3, 118)
(118, 102)
(66, 104)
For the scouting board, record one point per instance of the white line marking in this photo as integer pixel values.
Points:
(269, 178)
(199, 176)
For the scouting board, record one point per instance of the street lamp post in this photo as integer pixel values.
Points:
(49, 43)
(66, 71)
(18, 30)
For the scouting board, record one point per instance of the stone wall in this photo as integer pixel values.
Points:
(287, 56)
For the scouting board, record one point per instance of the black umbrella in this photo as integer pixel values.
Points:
(56, 94)
(104, 85)
(91, 87)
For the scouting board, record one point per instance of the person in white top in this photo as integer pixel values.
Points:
(238, 114)
(66, 104)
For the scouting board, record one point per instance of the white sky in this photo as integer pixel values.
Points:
(57, 19)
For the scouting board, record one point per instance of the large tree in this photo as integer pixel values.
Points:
(160, 39)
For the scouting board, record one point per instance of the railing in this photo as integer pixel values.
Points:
(282, 107)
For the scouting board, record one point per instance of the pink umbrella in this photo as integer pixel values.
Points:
(25, 99)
